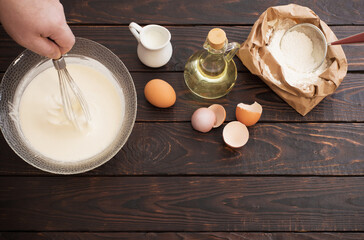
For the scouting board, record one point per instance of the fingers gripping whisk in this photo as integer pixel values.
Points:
(70, 93)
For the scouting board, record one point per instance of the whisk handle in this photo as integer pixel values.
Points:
(59, 63)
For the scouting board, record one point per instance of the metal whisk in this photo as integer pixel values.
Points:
(67, 83)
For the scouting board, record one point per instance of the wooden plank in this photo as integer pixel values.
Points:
(185, 40)
(346, 104)
(178, 236)
(273, 149)
(213, 12)
(181, 204)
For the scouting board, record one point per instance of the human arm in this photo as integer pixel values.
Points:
(38, 25)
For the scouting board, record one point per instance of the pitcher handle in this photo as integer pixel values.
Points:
(135, 29)
(231, 50)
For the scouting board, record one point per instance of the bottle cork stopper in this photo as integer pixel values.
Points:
(216, 38)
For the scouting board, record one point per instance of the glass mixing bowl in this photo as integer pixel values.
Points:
(28, 65)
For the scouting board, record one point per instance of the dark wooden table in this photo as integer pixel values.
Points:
(297, 177)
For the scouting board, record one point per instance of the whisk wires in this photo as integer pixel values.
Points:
(67, 83)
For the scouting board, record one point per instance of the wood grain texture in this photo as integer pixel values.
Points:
(298, 178)
(181, 204)
(185, 41)
(345, 105)
(212, 12)
(273, 149)
(179, 236)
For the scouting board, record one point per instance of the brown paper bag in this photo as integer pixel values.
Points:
(254, 54)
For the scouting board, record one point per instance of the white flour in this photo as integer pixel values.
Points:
(297, 51)
(298, 58)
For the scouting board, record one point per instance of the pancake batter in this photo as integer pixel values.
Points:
(46, 127)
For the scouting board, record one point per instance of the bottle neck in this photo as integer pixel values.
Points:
(212, 50)
(212, 61)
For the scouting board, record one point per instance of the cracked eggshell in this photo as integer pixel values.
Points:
(235, 134)
(203, 119)
(248, 114)
(220, 114)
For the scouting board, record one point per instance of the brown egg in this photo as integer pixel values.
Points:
(220, 114)
(203, 119)
(248, 114)
(160, 93)
(235, 134)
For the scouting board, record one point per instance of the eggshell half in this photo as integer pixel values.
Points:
(248, 114)
(235, 134)
(203, 119)
(220, 114)
(160, 93)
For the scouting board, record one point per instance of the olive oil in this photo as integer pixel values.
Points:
(211, 73)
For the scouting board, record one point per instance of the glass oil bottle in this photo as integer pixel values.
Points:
(211, 72)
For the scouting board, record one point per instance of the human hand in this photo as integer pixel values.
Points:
(38, 25)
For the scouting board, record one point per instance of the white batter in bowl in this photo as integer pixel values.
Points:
(31, 115)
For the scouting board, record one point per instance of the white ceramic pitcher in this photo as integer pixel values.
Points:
(154, 44)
